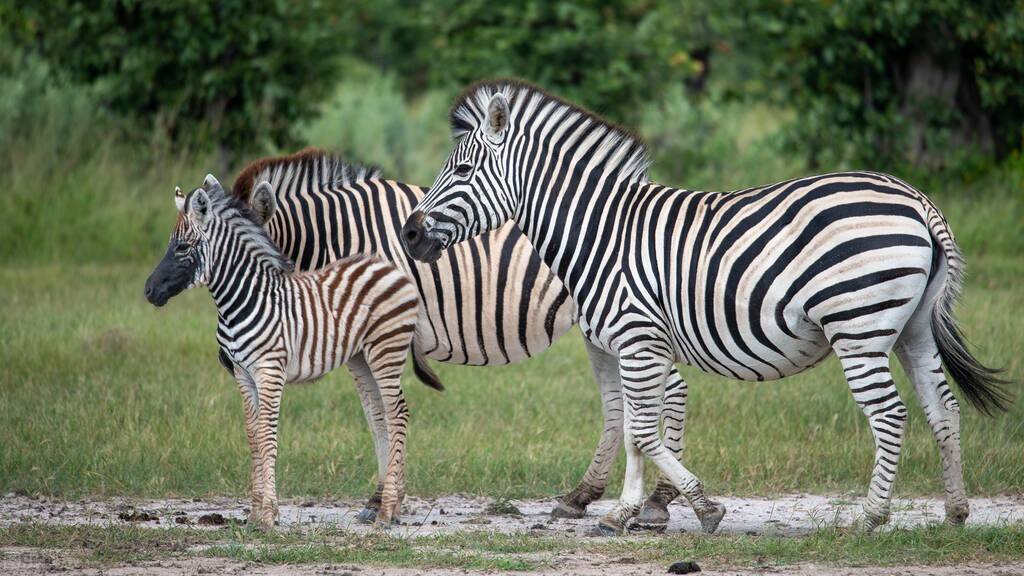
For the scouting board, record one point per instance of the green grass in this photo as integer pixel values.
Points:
(929, 545)
(102, 394)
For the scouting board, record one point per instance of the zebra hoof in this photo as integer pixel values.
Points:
(711, 518)
(653, 515)
(605, 529)
(873, 521)
(563, 510)
(367, 516)
(956, 514)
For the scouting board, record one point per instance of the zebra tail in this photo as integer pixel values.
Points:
(981, 385)
(424, 372)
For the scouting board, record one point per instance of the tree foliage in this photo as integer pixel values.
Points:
(610, 56)
(234, 71)
(889, 82)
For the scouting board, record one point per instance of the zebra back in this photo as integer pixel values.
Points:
(489, 301)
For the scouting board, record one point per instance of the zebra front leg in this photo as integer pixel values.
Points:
(654, 513)
(644, 373)
(373, 410)
(251, 402)
(867, 373)
(386, 368)
(595, 479)
(269, 383)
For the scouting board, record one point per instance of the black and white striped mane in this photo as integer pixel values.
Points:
(239, 213)
(328, 170)
(525, 99)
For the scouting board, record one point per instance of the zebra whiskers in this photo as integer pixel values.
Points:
(276, 326)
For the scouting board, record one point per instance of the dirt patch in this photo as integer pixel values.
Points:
(790, 515)
(31, 561)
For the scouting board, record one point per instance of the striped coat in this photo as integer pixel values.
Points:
(756, 284)
(276, 326)
(489, 301)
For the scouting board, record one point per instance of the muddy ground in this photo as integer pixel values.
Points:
(792, 515)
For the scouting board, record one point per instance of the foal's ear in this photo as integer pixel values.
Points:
(496, 123)
(210, 183)
(179, 199)
(263, 202)
(198, 206)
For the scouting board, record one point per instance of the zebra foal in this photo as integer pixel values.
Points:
(277, 326)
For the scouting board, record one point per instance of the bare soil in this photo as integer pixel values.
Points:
(790, 515)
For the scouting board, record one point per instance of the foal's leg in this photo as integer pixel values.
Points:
(249, 398)
(373, 409)
(269, 384)
(385, 361)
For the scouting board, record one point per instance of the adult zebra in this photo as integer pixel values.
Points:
(491, 301)
(757, 284)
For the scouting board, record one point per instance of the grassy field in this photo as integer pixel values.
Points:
(122, 546)
(101, 394)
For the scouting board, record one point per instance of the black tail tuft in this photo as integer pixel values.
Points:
(424, 372)
(981, 385)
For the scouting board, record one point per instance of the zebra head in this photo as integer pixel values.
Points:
(182, 266)
(472, 194)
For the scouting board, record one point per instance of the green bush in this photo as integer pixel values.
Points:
(239, 73)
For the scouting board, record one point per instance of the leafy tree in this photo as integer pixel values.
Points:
(610, 56)
(889, 82)
(240, 73)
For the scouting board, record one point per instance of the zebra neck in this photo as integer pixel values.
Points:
(244, 280)
(573, 225)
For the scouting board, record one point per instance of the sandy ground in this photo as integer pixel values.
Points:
(791, 515)
(27, 561)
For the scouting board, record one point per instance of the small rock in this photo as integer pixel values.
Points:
(441, 512)
(137, 516)
(685, 567)
(215, 519)
(182, 520)
(307, 504)
(538, 527)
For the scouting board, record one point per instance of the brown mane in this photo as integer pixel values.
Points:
(342, 170)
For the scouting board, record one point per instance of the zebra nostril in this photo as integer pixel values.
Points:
(412, 236)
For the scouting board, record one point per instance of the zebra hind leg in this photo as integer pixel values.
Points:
(919, 355)
(654, 513)
(373, 410)
(867, 373)
(592, 485)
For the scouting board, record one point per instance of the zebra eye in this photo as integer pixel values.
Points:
(182, 248)
(463, 169)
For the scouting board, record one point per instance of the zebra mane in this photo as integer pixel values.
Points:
(231, 208)
(327, 169)
(470, 111)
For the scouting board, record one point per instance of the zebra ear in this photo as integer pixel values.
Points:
(198, 206)
(263, 202)
(496, 123)
(179, 199)
(210, 183)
